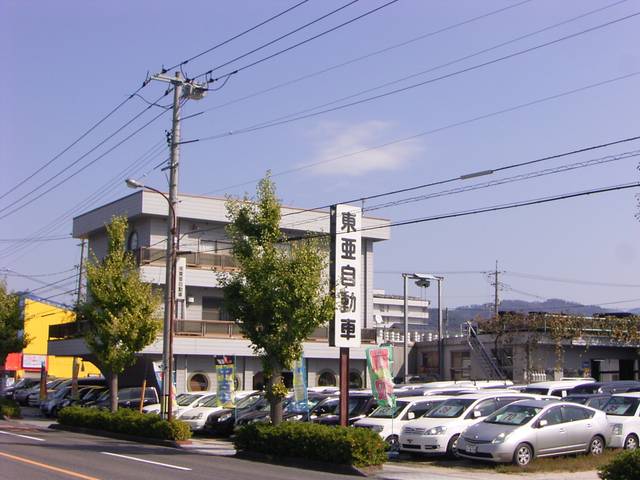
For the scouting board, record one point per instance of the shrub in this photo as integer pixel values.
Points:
(9, 408)
(624, 466)
(125, 421)
(359, 447)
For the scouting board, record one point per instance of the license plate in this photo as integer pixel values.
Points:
(471, 448)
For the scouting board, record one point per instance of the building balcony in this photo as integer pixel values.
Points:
(195, 259)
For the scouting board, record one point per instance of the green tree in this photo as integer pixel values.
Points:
(119, 309)
(12, 338)
(280, 294)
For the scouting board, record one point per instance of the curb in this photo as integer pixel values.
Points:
(122, 436)
(309, 464)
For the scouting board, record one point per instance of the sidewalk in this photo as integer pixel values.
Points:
(392, 471)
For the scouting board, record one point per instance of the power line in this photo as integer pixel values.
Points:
(432, 131)
(570, 280)
(298, 114)
(296, 45)
(419, 84)
(369, 55)
(36, 239)
(264, 22)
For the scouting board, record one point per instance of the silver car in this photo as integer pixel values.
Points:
(528, 429)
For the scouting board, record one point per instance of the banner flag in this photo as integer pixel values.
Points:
(300, 395)
(225, 376)
(379, 360)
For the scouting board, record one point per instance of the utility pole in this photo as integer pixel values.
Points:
(80, 272)
(496, 287)
(192, 91)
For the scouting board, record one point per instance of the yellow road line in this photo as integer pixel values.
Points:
(48, 467)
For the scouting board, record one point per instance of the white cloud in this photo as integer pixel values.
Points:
(337, 151)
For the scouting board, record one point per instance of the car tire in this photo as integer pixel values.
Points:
(452, 447)
(596, 445)
(631, 442)
(523, 455)
(393, 443)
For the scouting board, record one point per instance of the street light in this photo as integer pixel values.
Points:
(166, 406)
(423, 280)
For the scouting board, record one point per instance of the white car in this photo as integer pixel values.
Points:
(388, 422)
(559, 389)
(184, 401)
(623, 414)
(196, 417)
(438, 430)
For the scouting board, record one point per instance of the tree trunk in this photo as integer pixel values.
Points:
(275, 401)
(113, 391)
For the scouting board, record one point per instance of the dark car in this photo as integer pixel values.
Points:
(290, 410)
(361, 404)
(22, 396)
(21, 384)
(618, 386)
(593, 400)
(222, 422)
(127, 398)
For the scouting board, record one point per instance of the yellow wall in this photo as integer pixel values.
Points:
(37, 318)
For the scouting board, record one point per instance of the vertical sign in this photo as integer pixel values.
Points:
(181, 272)
(300, 397)
(225, 376)
(346, 223)
(379, 360)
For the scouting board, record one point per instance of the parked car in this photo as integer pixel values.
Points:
(619, 386)
(184, 402)
(437, 432)
(86, 395)
(197, 417)
(593, 400)
(222, 422)
(60, 398)
(361, 404)
(290, 410)
(127, 398)
(528, 429)
(21, 396)
(558, 389)
(21, 384)
(388, 421)
(623, 413)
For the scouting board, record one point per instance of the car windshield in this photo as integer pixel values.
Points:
(589, 388)
(536, 390)
(212, 402)
(577, 399)
(248, 401)
(357, 405)
(513, 415)
(389, 412)
(184, 400)
(451, 408)
(326, 407)
(624, 406)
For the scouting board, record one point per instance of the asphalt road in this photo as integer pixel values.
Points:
(32, 453)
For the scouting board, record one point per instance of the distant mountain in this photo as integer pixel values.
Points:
(459, 315)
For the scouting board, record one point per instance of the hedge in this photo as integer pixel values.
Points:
(130, 422)
(624, 466)
(9, 409)
(359, 447)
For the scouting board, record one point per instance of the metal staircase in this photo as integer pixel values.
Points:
(488, 362)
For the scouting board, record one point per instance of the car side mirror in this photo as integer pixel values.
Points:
(542, 423)
(477, 414)
(411, 415)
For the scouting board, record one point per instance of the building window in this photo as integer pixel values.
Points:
(132, 243)
(198, 382)
(212, 309)
(355, 380)
(460, 365)
(327, 379)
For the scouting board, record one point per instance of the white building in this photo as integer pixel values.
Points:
(388, 313)
(203, 330)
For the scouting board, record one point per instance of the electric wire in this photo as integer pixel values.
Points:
(50, 274)
(36, 239)
(532, 276)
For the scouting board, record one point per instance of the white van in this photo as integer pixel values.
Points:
(438, 430)
(388, 422)
(555, 389)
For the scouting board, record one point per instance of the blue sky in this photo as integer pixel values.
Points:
(66, 64)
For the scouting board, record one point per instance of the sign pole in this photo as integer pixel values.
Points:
(344, 386)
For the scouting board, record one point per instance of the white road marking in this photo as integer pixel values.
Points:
(23, 436)
(146, 461)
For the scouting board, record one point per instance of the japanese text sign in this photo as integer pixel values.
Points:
(379, 360)
(225, 376)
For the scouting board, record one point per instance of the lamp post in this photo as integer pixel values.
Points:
(166, 407)
(422, 280)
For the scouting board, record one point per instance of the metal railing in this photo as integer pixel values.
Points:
(216, 261)
(488, 362)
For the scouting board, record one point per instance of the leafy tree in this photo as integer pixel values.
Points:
(119, 309)
(280, 294)
(12, 338)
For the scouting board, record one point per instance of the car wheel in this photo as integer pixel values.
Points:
(452, 447)
(523, 455)
(393, 443)
(596, 445)
(631, 442)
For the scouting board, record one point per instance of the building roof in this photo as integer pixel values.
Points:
(211, 209)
